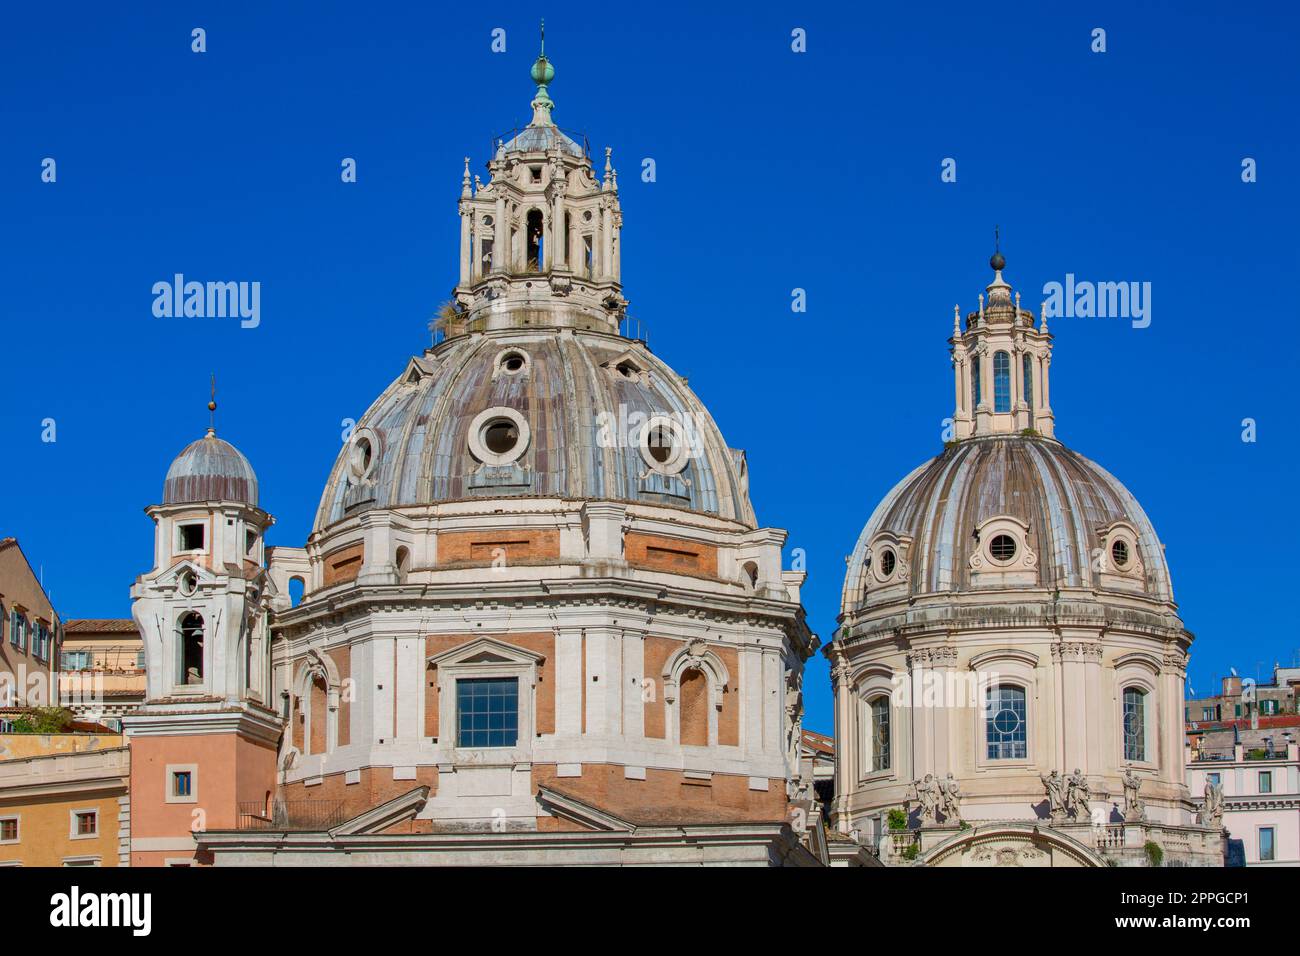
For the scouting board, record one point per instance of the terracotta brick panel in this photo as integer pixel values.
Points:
(657, 650)
(729, 716)
(523, 546)
(344, 564)
(671, 554)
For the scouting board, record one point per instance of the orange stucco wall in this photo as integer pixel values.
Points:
(231, 770)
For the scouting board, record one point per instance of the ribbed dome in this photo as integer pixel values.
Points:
(577, 399)
(210, 470)
(1066, 501)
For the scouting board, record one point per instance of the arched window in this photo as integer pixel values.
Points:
(1001, 382)
(880, 733)
(1135, 723)
(535, 232)
(190, 658)
(694, 695)
(296, 589)
(1027, 366)
(1004, 722)
(975, 383)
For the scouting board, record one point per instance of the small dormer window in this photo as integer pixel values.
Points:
(888, 561)
(1002, 548)
(1119, 553)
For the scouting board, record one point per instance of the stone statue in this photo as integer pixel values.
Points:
(1134, 806)
(928, 796)
(1078, 796)
(1211, 814)
(1054, 784)
(949, 796)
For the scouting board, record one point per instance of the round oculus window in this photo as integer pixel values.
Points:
(663, 445)
(1002, 548)
(1119, 553)
(188, 583)
(361, 457)
(498, 436)
(887, 562)
(512, 361)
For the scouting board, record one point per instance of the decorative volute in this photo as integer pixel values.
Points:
(539, 242)
(1001, 365)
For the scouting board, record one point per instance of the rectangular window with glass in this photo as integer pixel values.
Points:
(1213, 778)
(487, 711)
(1004, 721)
(87, 823)
(880, 733)
(1266, 781)
(9, 830)
(1135, 724)
(182, 784)
(1266, 848)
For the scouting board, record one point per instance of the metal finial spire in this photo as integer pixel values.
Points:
(997, 261)
(212, 407)
(542, 74)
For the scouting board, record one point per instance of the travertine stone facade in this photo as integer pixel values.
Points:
(1010, 656)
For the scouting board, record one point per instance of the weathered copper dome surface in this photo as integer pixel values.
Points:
(580, 395)
(1064, 498)
(210, 470)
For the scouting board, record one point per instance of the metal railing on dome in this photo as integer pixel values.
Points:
(291, 815)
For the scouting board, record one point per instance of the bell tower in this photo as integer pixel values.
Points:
(1001, 364)
(203, 744)
(539, 242)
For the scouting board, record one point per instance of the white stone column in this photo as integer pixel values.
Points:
(606, 233)
(409, 687)
(381, 655)
(500, 233)
(568, 681)
(603, 681)
(632, 646)
(751, 708)
(555, 249)
(466, 243)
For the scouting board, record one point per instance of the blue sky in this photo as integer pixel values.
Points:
(775, 170)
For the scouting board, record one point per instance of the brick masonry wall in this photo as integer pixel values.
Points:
(671, 554)
(522, 546)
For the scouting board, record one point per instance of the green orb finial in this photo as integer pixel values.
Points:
(542, 73)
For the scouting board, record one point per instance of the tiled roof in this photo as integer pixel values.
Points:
(819, 742)
(100, 624)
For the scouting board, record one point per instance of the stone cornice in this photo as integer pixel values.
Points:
(644, 598)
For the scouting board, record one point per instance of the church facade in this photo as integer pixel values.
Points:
(1009, 667)
(540, 622)
(537, 620)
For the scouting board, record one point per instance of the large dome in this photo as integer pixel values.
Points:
(1068, 508)
(537, 413)
(210, 470)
